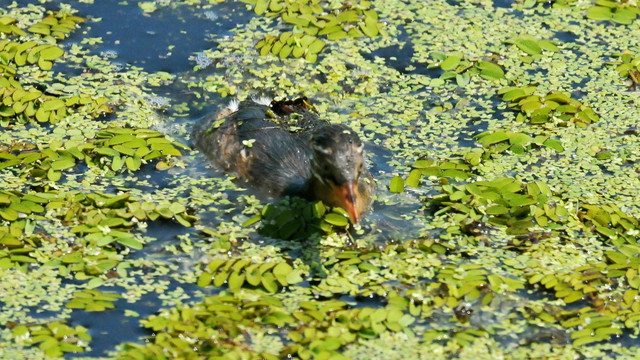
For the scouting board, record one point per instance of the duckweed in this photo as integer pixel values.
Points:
(505, 222)
(315, 18)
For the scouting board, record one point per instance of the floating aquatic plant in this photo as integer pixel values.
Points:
(289, 43)
(114, 149)
(23, 103)
(455, 66)
(499, 141)
(313, 18)
(554, 107)
(271, 276)
(458, 169)
(103, 225)
(55, 338)
(57, 25)
(630, 68)
(534, 46)
(92, 300)
(620, 12)
(501, 202)
(555, 267)
(315, 329)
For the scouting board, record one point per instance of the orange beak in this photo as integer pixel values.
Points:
(347, 196)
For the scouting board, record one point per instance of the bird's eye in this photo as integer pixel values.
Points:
(331, 179)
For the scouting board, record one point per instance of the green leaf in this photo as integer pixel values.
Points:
(44, 64)
(253, 275)
(298, 51)
(123, 138)
(530, 106)
(53, 104)
(53, 175)
(281, 271)
(204, 279)
(107, 151)
(369, 27)
(623, 16)
(9, 214)
(554, 144)
(336, 219)
(133, 163)
(497, 210)
(269, 282)
(529, 46)
(397, 185)
(236, 279)
(520, 139)
(117, 162)
(51, 53)
(337, 35)
(514, 94)
(450, 62)
(296, 20)
(131, 242)
(124, 150)
(413, 180)
(6, 111)
(261, 7)
(617, 257)
(293, 278)
(330, 344)
(492, 138)
(316, 46)
(599, 13)
(490, 70)
(548, 46)
(63, 164)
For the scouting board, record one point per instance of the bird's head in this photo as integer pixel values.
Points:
(337, 163)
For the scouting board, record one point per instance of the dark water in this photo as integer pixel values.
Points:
(160, 41)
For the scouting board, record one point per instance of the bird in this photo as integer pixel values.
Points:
(283, 148)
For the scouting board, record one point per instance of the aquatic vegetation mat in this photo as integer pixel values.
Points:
(503, 137)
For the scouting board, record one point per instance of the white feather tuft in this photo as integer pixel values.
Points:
(262, 100)
(233, 106)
